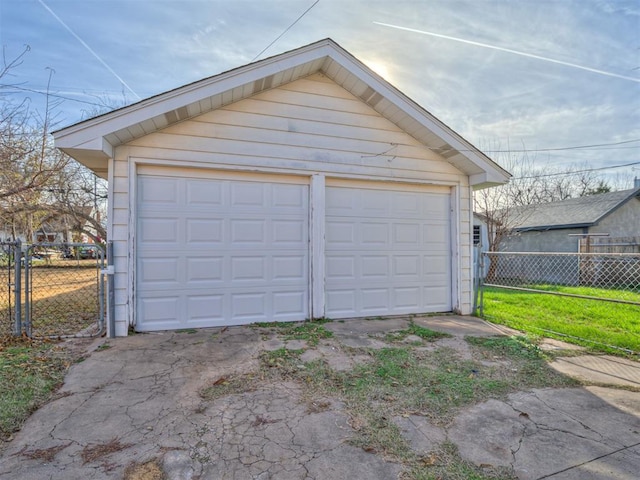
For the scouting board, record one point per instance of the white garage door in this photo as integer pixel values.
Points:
(220, 251)
(387, 251)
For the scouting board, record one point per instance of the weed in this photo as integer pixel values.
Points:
(445, 462)
(310, 331)
(418, 331)
(229, 385)
(528, 366)
(104, 346)
(375, 433)
(187, 330)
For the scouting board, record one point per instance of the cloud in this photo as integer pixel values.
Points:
(482, 93)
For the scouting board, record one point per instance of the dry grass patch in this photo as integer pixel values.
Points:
(144, 471)
(95, 452)
(45, 454)
(228, 385)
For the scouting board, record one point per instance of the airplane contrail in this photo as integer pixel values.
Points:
(515, 52)
(88, 48)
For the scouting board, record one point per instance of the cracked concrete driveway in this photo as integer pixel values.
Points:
(139, 403)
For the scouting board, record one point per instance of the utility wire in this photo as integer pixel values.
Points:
(25, 89)
(286, 30)
(531, 177)
(556, 149)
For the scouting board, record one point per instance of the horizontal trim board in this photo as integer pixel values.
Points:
(213, 174)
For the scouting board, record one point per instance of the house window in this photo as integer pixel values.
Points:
(476, 234)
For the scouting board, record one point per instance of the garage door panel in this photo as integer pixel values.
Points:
(407, 266)
(374, 203)
(159, 271)
(340, 232)
(375, 267)
(289, 268)
(287, 232)
(205, 269)
(406, 298)
(248, 232)
(341, 302)
(157, 311)
(435, 265)
(204, 193)
(158, 191)
(249, 306)
(205, 308)
(436, 236)
(382, 247)
(288, 198)
(289, 304)
(225, 252)
(205, 230)
(436, 296)
(248, 193)
(406, 234)
(374, 233)
(248, 269)
(374, 300)
(159, 230)
(407, 205)
(339, 267)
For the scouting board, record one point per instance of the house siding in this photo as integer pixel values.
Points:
(308, 126)
(543, 241)
(622, 222)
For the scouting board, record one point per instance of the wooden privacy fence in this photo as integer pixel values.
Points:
(609, 245)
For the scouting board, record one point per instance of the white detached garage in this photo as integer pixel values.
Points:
(300, 186)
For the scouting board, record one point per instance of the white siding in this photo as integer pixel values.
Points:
(308, 126)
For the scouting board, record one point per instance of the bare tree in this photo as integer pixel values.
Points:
(534, 182)
(37, 181)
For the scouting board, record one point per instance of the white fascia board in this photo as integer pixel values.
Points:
(416, 112)
(486, 180)
(91, 130)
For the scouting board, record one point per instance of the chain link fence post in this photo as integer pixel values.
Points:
(17, 288)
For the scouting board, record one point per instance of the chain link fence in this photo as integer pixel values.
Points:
(8, 305)
(52, 290)
(613, 277)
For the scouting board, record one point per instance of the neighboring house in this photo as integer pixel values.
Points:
(300, 186)
(52, 228)
(558, 226)
(480, 243)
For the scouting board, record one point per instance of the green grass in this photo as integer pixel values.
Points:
(29, 374)
(418, 331)
(311, 331)
(614, 294)
(598, 323)
(435, 384)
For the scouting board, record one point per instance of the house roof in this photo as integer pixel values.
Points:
(93, 141)
(572, 213)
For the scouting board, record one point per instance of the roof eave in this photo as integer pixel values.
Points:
(538, 228)
(92, 141)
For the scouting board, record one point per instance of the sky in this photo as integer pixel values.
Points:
(557, 80)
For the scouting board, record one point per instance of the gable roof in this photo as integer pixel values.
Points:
(571, 213)
(93, 141)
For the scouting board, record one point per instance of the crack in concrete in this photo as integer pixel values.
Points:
(573, 467)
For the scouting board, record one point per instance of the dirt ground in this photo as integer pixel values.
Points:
(422, 398)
